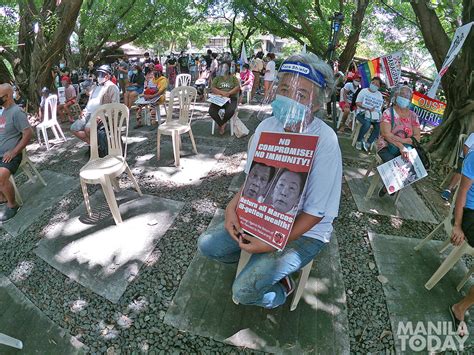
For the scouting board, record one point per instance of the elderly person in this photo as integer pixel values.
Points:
(226, 85)
(135, 86)
(399, 126)
(15, 133)
(369, 103)
(265, 280)
(463, 230)
(104, 93)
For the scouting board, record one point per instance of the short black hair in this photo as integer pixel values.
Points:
(214, 55)
(378, 79)
(246, 66)
(209, 51)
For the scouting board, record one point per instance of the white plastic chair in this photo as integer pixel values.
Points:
(30, 171)
(304, 274)
(104, 170)
(448, 263)
(49, 122)
(186, 97)
(9, 341)
(183, 80)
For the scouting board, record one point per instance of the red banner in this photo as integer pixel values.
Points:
(273, 188)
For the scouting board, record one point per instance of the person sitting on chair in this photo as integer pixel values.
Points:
(135, 86)
(265, 280)
(70, 93)
(104, 93)
(15, 134)
(246, 81)
(226, 85)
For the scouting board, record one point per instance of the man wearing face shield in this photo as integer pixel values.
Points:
(226, 85)
(304, 85)
(104, 93)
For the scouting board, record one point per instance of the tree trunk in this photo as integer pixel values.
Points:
(353, 38)
(457, 82)
(4, 73)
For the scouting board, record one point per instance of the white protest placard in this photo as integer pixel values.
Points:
(372, 102)
(398, 173)
(392, 68)
(458, 40)
(62, 95)
(218, 100)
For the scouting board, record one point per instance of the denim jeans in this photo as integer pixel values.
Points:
(258, 283)
(365, 128)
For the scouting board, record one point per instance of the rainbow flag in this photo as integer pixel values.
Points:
(368, 70)
(430, 111)
(387, 67)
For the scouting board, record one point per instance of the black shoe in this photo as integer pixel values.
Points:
(382, 191)
(9, 213)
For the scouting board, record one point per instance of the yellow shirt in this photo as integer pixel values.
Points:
(162, 84)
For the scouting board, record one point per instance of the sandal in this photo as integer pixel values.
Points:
(459, 325)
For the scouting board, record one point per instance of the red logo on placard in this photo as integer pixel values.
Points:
(391, 188)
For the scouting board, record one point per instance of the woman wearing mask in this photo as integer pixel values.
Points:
(369, 103)
(398, 128)
(226, 85)
(135, 86)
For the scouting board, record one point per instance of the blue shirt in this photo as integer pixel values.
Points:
(468, 171)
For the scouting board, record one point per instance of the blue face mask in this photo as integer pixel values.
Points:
(402, 102)
(62, 65)
(373, 88)
(288, 111)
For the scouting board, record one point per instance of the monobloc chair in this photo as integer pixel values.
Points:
(376, 179)
(183, 80)
(49, 121)
(9, 341)
(186, 97)
(304, 274)
(105, 170)
(30, 171)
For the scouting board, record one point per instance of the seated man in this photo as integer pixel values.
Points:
(156, 94)
(70, 92)
(265, 281)
(104, 93)
(15, 133)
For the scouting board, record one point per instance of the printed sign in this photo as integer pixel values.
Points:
(398, 173)
(273, 188)
(429, 111)
(372, 102)
(218, 100)
(62, 95)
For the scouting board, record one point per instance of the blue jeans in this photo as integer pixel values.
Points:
(365, 128)
(258, 283)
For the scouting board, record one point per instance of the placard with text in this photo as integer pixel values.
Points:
(269, 202)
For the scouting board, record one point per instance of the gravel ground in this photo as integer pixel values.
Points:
(136, 322)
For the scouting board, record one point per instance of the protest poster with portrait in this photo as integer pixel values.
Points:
(62, 95)
(398, 173)
(273, 188)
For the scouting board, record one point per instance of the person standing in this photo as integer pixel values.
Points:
(183, 63)
(123, 75)
(270, 76)
(15, 134)
(256, 66)
(171, 70)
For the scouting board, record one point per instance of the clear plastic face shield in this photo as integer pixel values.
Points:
(297, 95)
(101, 77)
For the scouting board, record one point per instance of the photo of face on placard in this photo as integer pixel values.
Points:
(258, 181)
(285, 192)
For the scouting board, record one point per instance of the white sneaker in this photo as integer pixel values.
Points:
(365, 146)
(359, 145)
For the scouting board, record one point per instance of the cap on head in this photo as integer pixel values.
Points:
(66, 79)
(105, 68)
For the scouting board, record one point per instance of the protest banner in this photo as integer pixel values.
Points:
(218, 100)
(430, 111)
(273, 188)
(62, 95)
(398, 173)
(387, 67)
(458, 40)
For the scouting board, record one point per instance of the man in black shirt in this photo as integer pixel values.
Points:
(208, 59)
(183, 63)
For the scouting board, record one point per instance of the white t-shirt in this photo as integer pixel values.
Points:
(469, 143)
(271, 74)
(370, 99)
(323, 188)
(349, 89)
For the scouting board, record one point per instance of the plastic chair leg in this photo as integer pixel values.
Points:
(373, 185)
(397, 198)
(192, 141)
(111, 201)
(355, 135)
(232, 124)
(339, 118)
(372, 167)
(428, 237)
(55, 132)
(61, 132)
(85, 193)
(45, 137)
(445, 245)
(304, 274)
(37, 174)
(175, 139)
(158, 138)
(447, 265)
(134, 181)
(9, 341)
(465, 278)
(38, 135)
(18, 198)
(213, 127)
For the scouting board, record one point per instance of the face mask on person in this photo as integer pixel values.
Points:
(135, 72)
(356, 83)
(288, 111)
(373, 88)
(403, 102)
(101, 79)
(62, 65)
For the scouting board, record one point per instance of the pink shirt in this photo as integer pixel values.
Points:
(246, 76)
(403, 126)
